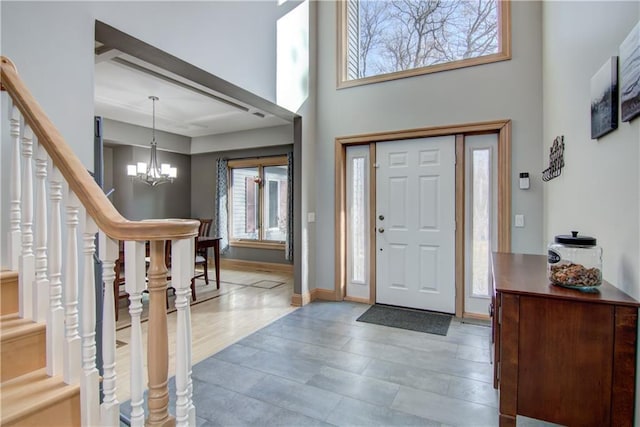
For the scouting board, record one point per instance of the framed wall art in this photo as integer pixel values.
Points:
(630, 75)
(604, 99)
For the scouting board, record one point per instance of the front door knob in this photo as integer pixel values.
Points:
(381, 217)
(381, 230)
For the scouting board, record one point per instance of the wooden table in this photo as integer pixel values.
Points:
(561, 355)
(204, 243)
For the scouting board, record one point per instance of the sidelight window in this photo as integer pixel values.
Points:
(357, 224)
(480, 221)
(481, 208)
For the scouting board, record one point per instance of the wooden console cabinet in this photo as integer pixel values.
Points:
(561, 355)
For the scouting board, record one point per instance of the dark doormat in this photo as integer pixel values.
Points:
(403, 318)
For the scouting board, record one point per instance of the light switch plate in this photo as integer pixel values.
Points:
(311, 217)
(519, 220)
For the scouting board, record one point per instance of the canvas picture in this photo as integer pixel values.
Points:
(604, 99)
(630, 75)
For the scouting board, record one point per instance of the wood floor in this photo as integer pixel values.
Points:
(240, 309)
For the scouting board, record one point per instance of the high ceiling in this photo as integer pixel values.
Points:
(124, 83)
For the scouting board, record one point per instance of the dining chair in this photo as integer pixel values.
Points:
(119, 281)
(201, 256)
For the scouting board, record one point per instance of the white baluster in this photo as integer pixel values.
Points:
(15, 235)
(27, 259)
(89, 381)
(72, 350)
(110, 408)
(134, 284)
(182, 263)
(41, 291)
(189, 340)
(55, 315)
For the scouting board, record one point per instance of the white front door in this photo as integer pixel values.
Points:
(415, 222)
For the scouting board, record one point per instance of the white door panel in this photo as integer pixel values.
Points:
(415, 218)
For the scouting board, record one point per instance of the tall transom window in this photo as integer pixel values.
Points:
(258, 203)
(389, 39)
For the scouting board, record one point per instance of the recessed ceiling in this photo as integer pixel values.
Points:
(123, 85)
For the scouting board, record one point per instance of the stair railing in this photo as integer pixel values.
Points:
(51, 290)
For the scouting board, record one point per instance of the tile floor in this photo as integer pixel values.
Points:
(319, 367)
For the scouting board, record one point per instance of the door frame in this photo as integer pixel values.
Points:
(501, 127)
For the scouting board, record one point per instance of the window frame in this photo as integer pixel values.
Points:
(260, 163)
(503, 54)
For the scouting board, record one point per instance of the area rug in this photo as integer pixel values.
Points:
(232, 281)
(404, 318)
(266, 284)
(203, 293)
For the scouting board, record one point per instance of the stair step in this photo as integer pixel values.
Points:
(22, 346)
(36, 399)
(8, 292)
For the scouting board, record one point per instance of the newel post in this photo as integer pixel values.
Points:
(158, 346)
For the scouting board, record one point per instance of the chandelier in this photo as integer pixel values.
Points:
(152, 174)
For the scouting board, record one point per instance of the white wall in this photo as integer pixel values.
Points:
(597, 192)
(233, 40)
(505, 90)
(52, 45)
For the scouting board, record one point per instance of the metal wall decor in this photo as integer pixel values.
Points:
(556, 159)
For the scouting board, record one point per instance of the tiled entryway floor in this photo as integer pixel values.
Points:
(317, 367)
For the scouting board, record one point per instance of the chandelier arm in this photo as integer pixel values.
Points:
(153, 175)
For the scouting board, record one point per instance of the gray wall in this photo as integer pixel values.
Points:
(504, 90)
(136, 200)
(107, 159)
(203, 170)
(254, 138)
(119, 133)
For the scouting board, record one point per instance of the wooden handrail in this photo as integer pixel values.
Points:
(106, 216)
